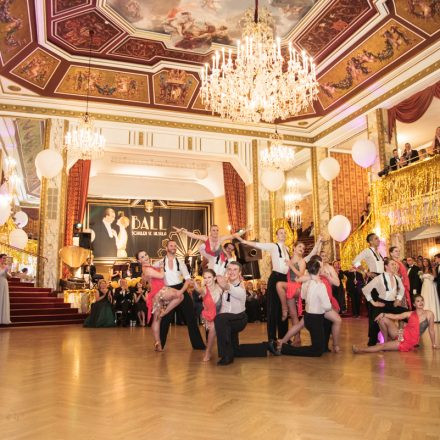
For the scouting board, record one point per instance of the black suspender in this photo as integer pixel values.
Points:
(279, 251)
(218, 260)
(386, 283)
(375, 255)
(165, 264)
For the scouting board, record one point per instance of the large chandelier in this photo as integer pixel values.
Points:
(83, 141)
(277, 155)
(291, 199)
(259, 84)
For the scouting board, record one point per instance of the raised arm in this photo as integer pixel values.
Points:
(191, 234)
(231, 236)
(256, 244)
(316, 249)
(153, 273)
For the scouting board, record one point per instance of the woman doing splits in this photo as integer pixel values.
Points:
(211, 294)
(418, 321)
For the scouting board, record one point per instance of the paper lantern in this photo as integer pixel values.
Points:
(202, 174)
(309, 175)
(329, 168)
(272, 179)
(5, 208)
(364, 153)
(339, 227)
(49, 163)
(21, 219)
(18, 238)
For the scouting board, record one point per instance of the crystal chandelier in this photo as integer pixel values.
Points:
(291, 200)
(83, 141)
(258, 84)
(277, 155)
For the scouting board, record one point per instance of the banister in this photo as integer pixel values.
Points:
(22, 250)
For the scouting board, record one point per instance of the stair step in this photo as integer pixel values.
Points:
(78, 321)
(44, 311)
(35, 299)
(29, 289)
(39, 305)
(30, 295)
(28, 318)
(20, 284)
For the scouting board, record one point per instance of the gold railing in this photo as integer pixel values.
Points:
(404, 200)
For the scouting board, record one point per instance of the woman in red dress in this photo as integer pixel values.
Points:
(418, 321)
(403, 274)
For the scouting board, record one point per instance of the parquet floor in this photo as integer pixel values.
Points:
(67, 383)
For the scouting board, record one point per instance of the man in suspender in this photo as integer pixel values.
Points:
(220, 262)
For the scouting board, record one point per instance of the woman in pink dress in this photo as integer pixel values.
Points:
(418, 321)
(211, 297)
(402, 273)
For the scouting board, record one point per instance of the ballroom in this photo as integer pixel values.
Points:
(220, 214)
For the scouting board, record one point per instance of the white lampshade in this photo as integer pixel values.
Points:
(329, 168)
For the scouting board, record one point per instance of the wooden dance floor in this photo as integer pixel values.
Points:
(72, 383)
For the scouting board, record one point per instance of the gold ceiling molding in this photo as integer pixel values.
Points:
(47, 112)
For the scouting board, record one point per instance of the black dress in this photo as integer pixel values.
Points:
(141, 305)
(101, 314)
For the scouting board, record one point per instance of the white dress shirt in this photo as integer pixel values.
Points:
(390, 294)
(316, 297)
(216, 263)
(373, 259)
(278, 261)
(173, 275)
(234, 299)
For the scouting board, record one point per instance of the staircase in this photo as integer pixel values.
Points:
(31, 306)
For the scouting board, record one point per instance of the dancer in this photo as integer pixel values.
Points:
(429, 292)
(5, 308)
(418, 321)
(403, 274)
(175, 270)
(220, 262)
(211, 294)
(276, 327)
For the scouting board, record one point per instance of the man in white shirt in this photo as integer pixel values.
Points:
(231, 319)
(220, 262)
(276, 327)
(175, 273)
(384, 294)
(371, 256)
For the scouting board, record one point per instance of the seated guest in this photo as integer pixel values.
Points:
(436, 142)
(410, 155)
(423, 154)
(115, 275)
(123, 302)
(101, 313)
(261, 295)
(140, 303)
(395, 161)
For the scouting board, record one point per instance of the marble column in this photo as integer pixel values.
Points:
(52, 210)
(322, 200)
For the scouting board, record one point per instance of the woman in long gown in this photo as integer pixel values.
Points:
(403, 274)
(429, 291)
(5, 308)
(101, 313)
(211, 295)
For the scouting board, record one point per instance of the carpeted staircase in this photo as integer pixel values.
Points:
(31, 306)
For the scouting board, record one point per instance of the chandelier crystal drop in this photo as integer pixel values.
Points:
(258, 83)
(277, 155)
(84, 141)
(291, 199)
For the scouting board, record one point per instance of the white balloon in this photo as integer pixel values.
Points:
(49, 163)
(18, 238)
(202, 174)
(5, 208)
(329, 168)
(21, 219)
(364, 153)
(339, 227)
(309, 175)
(272, 179)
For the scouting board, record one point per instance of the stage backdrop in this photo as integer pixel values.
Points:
(122, 227)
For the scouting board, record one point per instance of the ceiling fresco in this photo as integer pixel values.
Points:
(134, 36)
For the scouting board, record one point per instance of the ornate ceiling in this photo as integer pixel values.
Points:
(147, 53)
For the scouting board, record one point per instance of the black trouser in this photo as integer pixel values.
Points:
(187, 308)
(314, 323)
(227, 328)
(355, 296)
(373, 312)
(275, 325)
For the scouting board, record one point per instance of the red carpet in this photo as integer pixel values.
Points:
(31, 306)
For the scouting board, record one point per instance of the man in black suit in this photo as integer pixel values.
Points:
(410, 155)
(104, 244)
(437, 272)
(394, 161)
(415, 283)
(123, 304)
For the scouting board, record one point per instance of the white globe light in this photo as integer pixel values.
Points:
(309, 175)
(329, 168)
(18, 238)
(339, 227)
(364, 153)
(5, 208)
(272, 179)
(202, 173)
(21, 219)
(49, 163)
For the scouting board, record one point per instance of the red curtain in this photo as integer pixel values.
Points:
(412, 108)
(235, 195)
(77, 190)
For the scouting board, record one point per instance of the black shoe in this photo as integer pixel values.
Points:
(371, 343)
(271, 346)
(225, 361)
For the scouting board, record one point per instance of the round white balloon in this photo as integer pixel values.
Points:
(364, 153)
(49, 163)
(202, 174)
(329, 168)
(21, 219)
(309, 175)
(339, 227)
(272, 179)
(18, 238)
(5, 209)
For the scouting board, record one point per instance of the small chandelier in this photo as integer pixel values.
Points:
(291, 199)
(258, 84)
(83, 141)
(277, 155)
